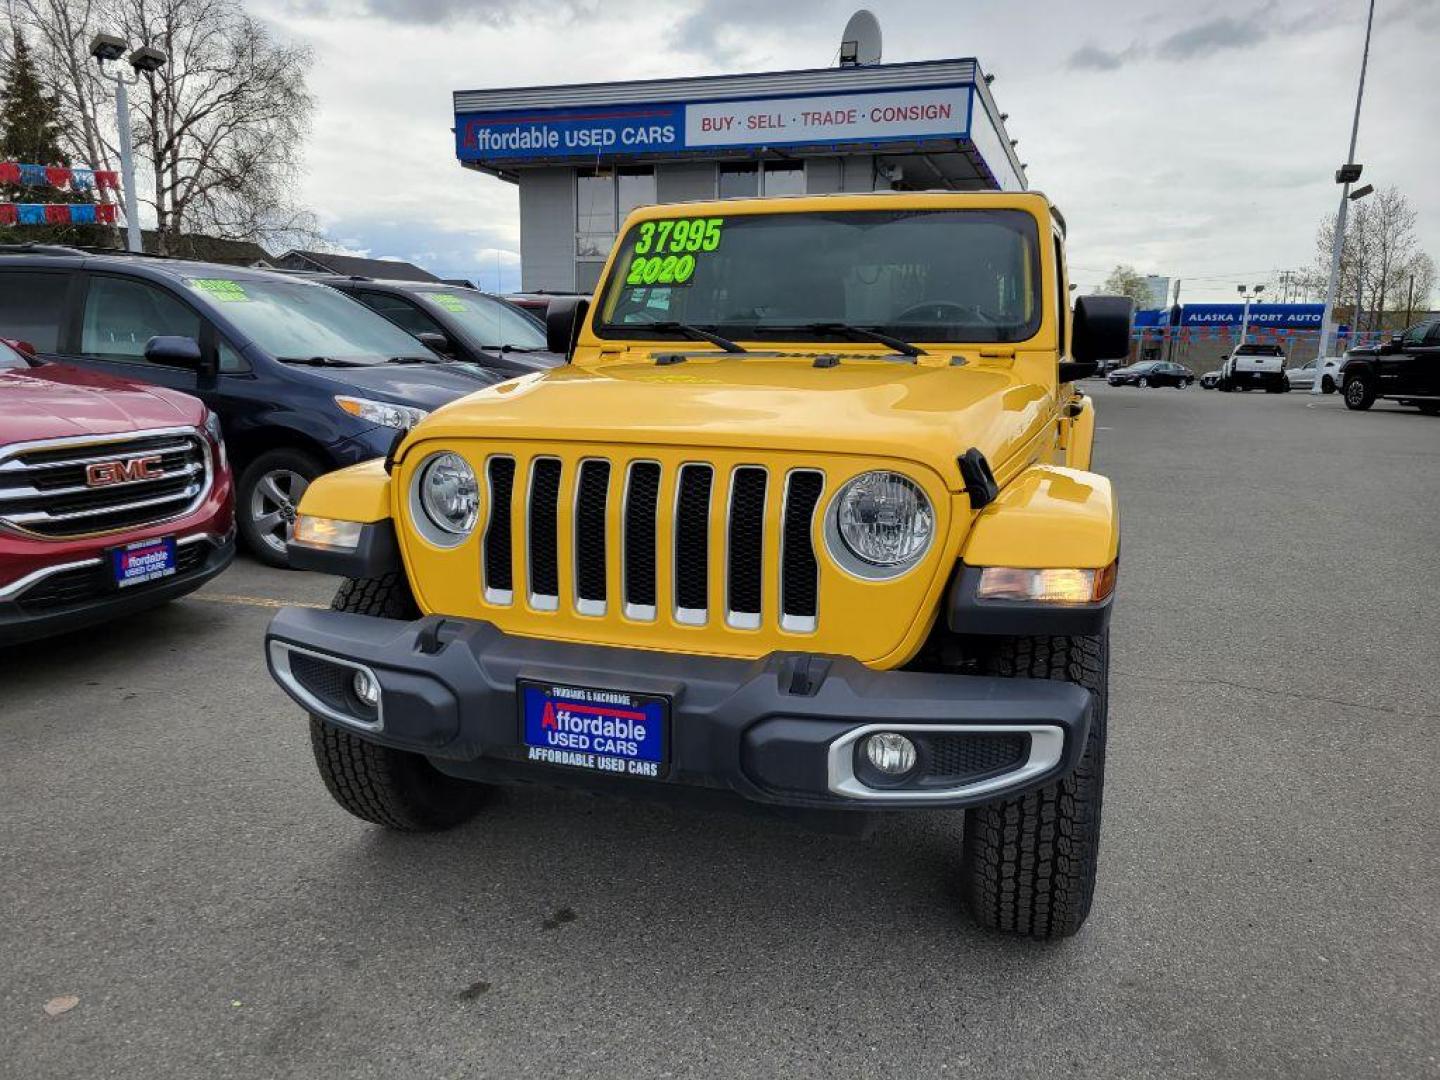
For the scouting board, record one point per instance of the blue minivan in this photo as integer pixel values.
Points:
(303, 378)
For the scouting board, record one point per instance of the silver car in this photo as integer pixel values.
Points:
(1303, 378)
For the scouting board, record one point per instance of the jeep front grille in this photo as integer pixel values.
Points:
(685, 545)
(93, 484)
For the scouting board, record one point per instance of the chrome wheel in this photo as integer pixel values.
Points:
(273, 505)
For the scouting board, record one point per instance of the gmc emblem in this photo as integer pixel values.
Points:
(128, 471)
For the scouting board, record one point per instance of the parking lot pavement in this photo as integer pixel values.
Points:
(1270, 886)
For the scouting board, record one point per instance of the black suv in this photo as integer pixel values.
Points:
(461, 323)
(304, 379)
(1405, 369)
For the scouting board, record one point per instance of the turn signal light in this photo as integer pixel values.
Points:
(1048, 586)
(327, 533)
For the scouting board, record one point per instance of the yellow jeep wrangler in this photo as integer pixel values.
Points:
(807, 519)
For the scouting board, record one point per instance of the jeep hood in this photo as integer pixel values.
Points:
(921, 412)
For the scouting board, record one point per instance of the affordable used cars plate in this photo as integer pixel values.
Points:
(144, 560)
(610, 731)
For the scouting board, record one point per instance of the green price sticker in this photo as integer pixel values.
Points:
(449, 302)
(684, 236)
(222, 289)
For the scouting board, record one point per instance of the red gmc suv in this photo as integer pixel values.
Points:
(114, 497)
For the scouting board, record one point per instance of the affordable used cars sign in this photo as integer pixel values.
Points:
(558, 134)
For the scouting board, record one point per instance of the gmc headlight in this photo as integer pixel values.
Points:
(445, 499)
(217, 436)
(879, 525)
(403, 417)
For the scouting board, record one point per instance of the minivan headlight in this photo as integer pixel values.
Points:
(879, 525)
(448, 499)
(402, 417)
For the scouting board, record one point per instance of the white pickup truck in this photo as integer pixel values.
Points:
(1254, 367)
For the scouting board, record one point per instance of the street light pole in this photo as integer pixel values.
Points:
(127, 165)
(1347, 175)
(1249, 293)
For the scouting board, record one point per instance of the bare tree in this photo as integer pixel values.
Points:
(1379, 260)
(218, 131)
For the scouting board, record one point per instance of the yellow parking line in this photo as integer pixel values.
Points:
(252, 601)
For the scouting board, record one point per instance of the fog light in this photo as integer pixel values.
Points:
(891, 754)
(366, 688)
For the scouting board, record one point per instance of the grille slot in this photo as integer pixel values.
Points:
(799, 572)
(692, 544)
(591, 496)
(499, 580)
(954, 757)
(544, 527)
(745, 556)
(46, 488)
(642, 500)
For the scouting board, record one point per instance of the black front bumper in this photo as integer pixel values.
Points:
(86, 595)
(784, 729)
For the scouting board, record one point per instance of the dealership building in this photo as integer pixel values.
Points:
(585, 156)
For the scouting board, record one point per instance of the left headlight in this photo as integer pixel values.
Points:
(879, 525)
(383, 413)
(217, 436)
(447, 498)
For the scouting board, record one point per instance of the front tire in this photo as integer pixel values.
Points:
(1029, 862)
(267, 498)
(1142, 382)
(1327, 385)
(1359, 394)
(393, 788)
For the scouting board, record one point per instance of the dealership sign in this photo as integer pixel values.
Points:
(1289, 316)
(875, 117)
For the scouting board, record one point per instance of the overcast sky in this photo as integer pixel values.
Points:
(1193, 141)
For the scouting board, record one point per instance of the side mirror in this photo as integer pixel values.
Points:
(435, 341)
(563, 319)
(1395, 344)
(173, 351)
(1101, 331)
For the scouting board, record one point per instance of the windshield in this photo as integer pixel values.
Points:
(10, 359)
(301, 320)
(488, 320)
(920, 275)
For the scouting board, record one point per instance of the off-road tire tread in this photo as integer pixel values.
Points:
(1029, 861)
(388, 787)
(385, 597)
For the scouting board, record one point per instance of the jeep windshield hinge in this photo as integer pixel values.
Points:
(979, 479)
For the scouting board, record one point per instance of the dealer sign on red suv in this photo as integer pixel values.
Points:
(114, 497)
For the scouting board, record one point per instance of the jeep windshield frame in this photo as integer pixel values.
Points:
(937, 276)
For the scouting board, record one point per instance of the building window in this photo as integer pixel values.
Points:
(784, 178)
(602, 200)
(739, 181)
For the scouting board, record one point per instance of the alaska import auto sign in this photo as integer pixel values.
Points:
(670, 127)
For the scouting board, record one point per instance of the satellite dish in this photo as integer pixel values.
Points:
(860, 43)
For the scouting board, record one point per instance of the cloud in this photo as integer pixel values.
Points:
(489, 13)
(1094, 58)
(1212, 36)
(728, 30)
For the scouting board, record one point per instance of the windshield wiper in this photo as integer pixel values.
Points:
(860, 333)
(694, 333)
(507, 347)
(318, 361)
(417, 360)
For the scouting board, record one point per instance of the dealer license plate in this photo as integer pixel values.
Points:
(611, 731)
(144, 560)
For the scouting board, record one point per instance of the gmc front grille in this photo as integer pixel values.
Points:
(685, 549)
(97, 484)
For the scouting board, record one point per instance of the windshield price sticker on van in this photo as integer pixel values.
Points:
(665, 251)
(221, 289)
(449, 302)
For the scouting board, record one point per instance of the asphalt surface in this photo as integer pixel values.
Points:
(1269, 902)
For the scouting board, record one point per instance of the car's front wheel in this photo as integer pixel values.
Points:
(267, 501)
(378, 784)
(1359, 394)
(1029, 862)
(1327, 385)
(1142, 382)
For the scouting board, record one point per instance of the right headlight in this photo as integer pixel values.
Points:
(445, 499)
(879, 525)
